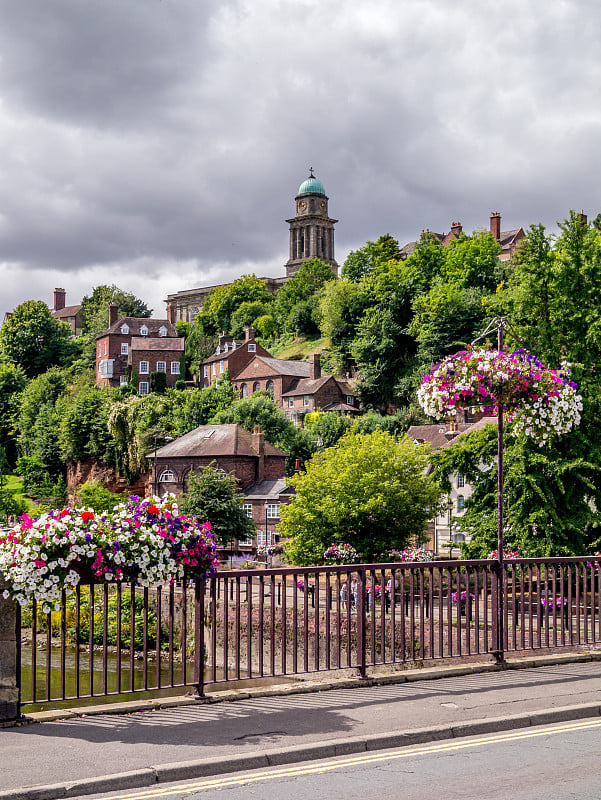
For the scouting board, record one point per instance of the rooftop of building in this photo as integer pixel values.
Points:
(213, 441)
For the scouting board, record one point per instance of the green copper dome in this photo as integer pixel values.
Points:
(311, 186)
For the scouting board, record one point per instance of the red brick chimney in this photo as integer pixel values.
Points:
(495, 225)
(113, 314)
(456, 229)
(171, 313)
(583, 219)
(258, 441)
(249, 333)
(314, 366)
(59, 299)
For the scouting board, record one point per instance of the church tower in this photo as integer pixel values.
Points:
(311, 230)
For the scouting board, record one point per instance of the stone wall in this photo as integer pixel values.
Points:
(9, 658)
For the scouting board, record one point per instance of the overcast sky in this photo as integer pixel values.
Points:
(158, 144)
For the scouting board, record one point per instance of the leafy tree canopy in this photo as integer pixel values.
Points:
(368, 490)
(95, 308)
(370, 258)
(309, 279)
(223, 301)
(214, 496)
(34, 340)
(94, 495)
(473, 261)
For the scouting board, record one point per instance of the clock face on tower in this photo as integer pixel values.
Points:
(322, 205)
(302, 205)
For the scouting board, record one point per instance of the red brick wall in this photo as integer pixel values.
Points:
(154, 356)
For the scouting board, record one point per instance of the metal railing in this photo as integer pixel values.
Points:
(112, 639)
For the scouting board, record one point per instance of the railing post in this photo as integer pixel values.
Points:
(10, 657)
(199, 635)
(361, 624)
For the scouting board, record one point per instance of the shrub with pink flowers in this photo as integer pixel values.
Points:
(143, 540)
(341, 553)
(541, 402)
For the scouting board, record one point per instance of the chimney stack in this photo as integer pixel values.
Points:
(113, 314)
(583, 219)
(495, 225)
(314, 366)
(249, 333)
(171, 313)
(59, 299)
(456, 228)
(258, 442)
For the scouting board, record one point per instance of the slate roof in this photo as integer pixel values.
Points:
(300, 369)
(307, 386)
(135, 324)
(213, 441)
(340, 407)
(265, 490)
(439, 435)
(162, 343)
(67, 311)
(224, 354)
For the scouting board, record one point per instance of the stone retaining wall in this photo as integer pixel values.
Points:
(9, 658)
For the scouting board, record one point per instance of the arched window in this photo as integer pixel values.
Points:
(270, 387)
(460, 502)
(256, 386)
(244, 390)
(167, 476)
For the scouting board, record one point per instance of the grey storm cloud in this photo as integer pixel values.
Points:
(158, 144)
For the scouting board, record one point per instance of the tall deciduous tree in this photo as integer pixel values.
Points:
(309, 279)
(223, 301)
(370, 258)
(215, 496)
(95, 308)
(368, 490)
(32, 338)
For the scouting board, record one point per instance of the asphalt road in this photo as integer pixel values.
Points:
(552, 762)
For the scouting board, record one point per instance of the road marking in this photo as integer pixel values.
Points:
(342, 762)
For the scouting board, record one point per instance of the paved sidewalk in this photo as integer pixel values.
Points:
(64, 758)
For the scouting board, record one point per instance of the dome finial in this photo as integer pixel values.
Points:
(311, 175)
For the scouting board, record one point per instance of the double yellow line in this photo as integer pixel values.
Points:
(342, 762)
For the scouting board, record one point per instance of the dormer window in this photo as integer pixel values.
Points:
(143, 331)
(218, 350)
(252, 348)
(162, 331)
(125, 329)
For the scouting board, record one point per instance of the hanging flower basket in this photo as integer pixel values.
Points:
(142, 540)
(416, 554)
(341, 554)
(541, 402)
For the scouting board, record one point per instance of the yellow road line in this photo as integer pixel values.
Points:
(342, 762)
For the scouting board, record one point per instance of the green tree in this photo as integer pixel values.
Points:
(158, 382)
(84, 433)
(245, 316)
(12, 383)
(342, 304)
(473, 261)
(34, 340)
(309, 279)
(222, 301)
(370, 258)
(95, 308)
(368, 490)
(214, 496)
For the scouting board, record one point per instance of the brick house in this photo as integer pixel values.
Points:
(231, 355)
(296, 386)
(258, 466)
(146, 345)
(509, 240)
(69, 314)
(441, 530)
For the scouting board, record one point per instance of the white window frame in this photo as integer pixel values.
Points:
(167, 476)
(291, 402)
(273, 511)
(350, 400)
(264, 537)
(161, 366)
(143, 388)
(252, 348)
(162, 331)
(143, 331)
(175, 367)
(221, 367)
(460, 504)
(124, 348)
(123, 380)
(306, 401)
(248, 509)
(205, 370)
(460, 480)
(124, 329)
(248, 542)
(144, 368)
